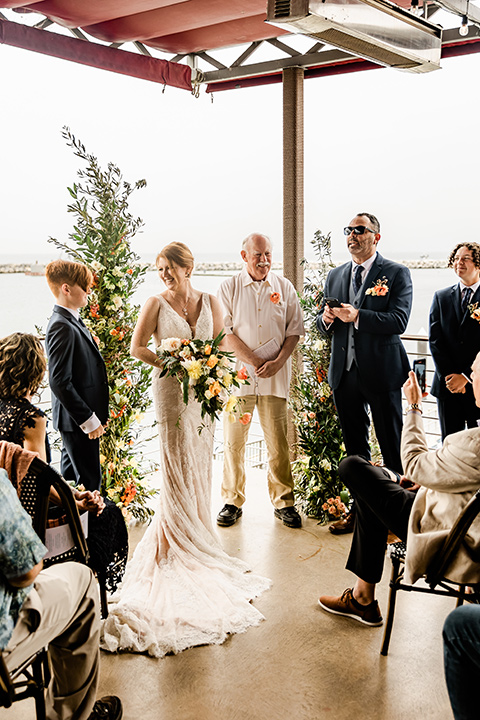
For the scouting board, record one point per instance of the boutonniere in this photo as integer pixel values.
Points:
(276, 298)
(379, 288)
(474, 311)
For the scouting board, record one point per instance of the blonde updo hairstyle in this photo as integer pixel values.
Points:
(22, 365)
(177, 253)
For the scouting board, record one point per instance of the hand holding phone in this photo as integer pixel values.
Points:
(420, 370)
(333, 302)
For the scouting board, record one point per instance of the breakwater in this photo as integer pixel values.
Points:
(220, 268)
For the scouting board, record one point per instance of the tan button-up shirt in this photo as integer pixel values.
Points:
(251, 315)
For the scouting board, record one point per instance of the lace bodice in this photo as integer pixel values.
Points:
(171, 324)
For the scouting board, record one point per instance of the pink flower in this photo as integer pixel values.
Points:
(242, 374)
(275, 298)
(245, 418)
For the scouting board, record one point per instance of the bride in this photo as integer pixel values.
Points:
(180, 588)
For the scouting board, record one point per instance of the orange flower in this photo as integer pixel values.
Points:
(94, 311)
(208, 349)
(114, 332)
(129, 271)
(320, 375)
(275, 298)
(242, 374)
(382, 290)
(212, 361)
(245, 418)
(215, 388)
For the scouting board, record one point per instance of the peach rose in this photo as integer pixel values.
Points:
(275, 298)
(245, 418)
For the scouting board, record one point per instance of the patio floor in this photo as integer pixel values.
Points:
(300, 663)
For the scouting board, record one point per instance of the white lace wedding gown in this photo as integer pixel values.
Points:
(180, 588)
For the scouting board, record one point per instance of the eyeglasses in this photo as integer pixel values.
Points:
(357, 230)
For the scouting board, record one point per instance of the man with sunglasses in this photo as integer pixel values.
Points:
(368, 365)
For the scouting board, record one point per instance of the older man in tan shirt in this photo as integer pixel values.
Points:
(263, 323)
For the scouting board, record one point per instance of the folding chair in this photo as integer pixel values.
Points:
(437, 583)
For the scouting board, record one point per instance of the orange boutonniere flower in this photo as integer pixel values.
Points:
(380, 288)
(474, 311)
(275, 298)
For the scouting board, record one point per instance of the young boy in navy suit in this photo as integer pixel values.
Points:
(78, 377)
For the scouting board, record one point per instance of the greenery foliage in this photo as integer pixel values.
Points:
(101, 239)
(320, 442)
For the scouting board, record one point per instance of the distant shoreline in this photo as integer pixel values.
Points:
(218, 268)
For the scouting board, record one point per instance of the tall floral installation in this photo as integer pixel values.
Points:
(101, 239)
(320, 442)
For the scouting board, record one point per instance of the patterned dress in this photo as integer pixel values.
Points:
(107, 533)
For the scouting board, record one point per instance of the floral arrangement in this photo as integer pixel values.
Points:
(380, 288)
(335, 508)
(200, 365)
(101, 239)
(474, 311)
(320, 442)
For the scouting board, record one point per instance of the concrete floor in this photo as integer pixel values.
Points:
(301, 663)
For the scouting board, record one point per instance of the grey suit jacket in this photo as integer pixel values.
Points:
(449, 477)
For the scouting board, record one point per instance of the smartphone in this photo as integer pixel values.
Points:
(333, 302)
(420, 370)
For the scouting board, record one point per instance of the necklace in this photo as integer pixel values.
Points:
(184, 309)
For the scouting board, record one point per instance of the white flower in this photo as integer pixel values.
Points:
(96, 266)
(170, 344)
(318, 344)
(325, 465)
(117, 272)
(117, 301)
(138, 417)
(208, 394)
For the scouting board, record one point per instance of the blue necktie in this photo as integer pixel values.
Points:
(466, 295)
(357, 278)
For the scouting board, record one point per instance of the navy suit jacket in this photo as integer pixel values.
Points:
(454, 339)
(78, 377)
(380, 355)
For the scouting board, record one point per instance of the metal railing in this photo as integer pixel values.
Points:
(256, 451)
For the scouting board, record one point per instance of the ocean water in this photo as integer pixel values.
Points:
(26, 302)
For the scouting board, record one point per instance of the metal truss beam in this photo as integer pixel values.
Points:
(312, 59)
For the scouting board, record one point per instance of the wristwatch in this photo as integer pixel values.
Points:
(415, 406)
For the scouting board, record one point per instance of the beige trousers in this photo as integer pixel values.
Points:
(61, 611)
(272, 412)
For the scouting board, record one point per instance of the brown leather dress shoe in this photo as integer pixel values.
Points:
(344, 526)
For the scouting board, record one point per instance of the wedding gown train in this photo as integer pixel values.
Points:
(180, 588)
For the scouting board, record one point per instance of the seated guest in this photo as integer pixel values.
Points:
(445, 481)
(57, 607)
(22, 369)
(461, 644)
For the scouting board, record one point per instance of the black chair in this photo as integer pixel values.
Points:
(32, 677)
(435, 580)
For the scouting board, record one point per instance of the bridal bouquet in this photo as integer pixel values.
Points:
(208, 371)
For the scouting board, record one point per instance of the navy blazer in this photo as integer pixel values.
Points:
(380, 355)
(78, 377)
(454, 339)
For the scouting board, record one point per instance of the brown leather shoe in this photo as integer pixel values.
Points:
(347, 606)
(344, 526)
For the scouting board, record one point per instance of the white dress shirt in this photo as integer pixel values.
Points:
(251, 315)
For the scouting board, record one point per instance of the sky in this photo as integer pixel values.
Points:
(399, 145)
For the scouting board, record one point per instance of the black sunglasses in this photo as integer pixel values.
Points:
(357, 230)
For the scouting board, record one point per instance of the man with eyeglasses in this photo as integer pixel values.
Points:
(368, 365)
(455, 341)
